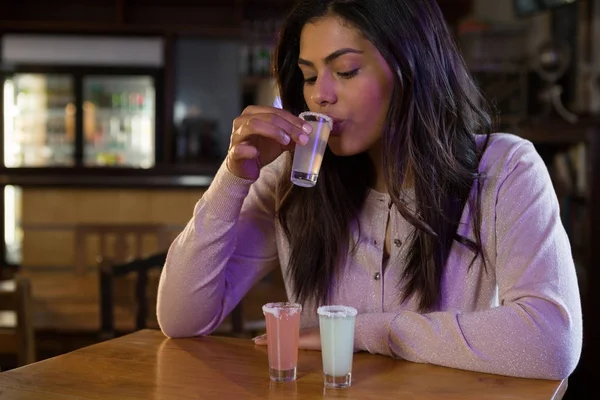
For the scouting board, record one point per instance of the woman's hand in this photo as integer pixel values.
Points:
(259, 135)
(310, 339)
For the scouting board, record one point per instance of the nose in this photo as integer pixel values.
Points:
(323, 92)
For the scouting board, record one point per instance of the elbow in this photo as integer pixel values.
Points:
(177, 319)
(565, 346)
(179, 324)
(180, 321)
(177, 330)
(562, 362)
(562, 353)
(173, 331)
(554, 348)
(547, 362)
(176, 333)
(558, 369)
(171, 328)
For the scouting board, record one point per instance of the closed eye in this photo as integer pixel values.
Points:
(345, 75)
(348, 74)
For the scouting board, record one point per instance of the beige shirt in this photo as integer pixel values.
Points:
(522, 317)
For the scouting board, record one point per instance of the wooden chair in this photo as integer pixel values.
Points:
(16, 327)
(118, 242)
(140, 268)
(245, 320)
(108, 271)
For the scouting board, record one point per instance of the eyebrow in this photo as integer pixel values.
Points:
(332, 56)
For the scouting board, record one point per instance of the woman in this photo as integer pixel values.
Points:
(446, 239)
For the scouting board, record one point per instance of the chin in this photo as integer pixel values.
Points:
(343, 148)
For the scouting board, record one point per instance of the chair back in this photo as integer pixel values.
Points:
(118, 242)
(16, 326)
(108, 271)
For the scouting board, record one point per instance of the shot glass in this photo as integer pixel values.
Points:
(283, 330)
(336, 325)
(308, 158)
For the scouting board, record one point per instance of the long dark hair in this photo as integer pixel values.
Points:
(434, 113)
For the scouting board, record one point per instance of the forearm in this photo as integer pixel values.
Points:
(206, 273)
(532, 338)
(193, 295)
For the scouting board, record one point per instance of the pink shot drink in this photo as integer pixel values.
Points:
(283, 331)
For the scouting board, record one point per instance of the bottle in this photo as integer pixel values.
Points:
(116, 101)
(133, 102)
(140, 102)
(245, 50)
(257, 49)
(124, 101)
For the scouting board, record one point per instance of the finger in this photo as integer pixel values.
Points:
(298, 132)
(243, 151)
(261, 127)
(310, 339)
(289, 147)
(252, 110)
(260, 340)
(293, 125)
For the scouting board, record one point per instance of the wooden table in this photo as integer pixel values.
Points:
(146, 365)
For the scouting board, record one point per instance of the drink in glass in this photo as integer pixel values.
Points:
(308, 158)
(336, 324)
(283, 330)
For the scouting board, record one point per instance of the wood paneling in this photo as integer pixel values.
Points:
(67, 302)
(69, 206)
(49, 248)
(49, 217)
(175, 208)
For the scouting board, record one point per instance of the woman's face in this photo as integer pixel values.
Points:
(348, 79)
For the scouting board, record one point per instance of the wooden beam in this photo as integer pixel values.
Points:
(239, 12)
(221, 31)
(120, 14)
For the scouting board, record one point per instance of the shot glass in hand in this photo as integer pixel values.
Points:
(283, 331)
(308, 158)
(336, 324)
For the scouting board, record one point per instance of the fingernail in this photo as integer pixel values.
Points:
(259, 337)
(285, 138)
(303, 139)
(307, 128)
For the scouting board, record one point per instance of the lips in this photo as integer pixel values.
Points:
(337, 127)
